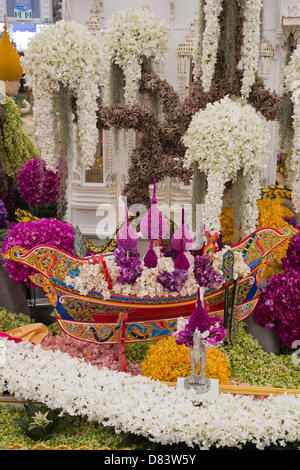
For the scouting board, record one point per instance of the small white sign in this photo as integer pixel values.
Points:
(212, 392)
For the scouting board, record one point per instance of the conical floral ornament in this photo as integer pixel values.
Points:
(199, 318)
(10, 65)
(154, 225)
(127, 237)
(150, 258)
(181, 241)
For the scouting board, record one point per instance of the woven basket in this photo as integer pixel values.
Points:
(11, 87)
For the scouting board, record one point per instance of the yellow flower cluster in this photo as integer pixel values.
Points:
(226, 220)
(166, 361)
(10, 65)
(271, 214)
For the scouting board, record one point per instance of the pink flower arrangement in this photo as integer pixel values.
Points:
(105, 355)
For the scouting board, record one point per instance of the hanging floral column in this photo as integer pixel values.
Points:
(228, 139)
(65, 56)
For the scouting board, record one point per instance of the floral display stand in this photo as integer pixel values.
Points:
(123, 319)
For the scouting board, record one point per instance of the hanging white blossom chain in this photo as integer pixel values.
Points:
(210, 41)
(251, 43)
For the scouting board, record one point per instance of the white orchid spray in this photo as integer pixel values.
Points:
(158, 412)
(131, 37)
(65, 55)
(251, 43)
(225, 137)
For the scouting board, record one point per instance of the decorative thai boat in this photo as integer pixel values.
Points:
(123, 319)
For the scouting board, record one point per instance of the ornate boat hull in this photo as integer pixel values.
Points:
(124, 319)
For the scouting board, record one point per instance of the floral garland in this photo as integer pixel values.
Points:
(251, 43)
(159, 412)
(197, 50)
(131, 37)
(222, 129)
(292, 162)
(210, 41)
(65, 55)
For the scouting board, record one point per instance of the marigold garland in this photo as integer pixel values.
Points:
(166, 361)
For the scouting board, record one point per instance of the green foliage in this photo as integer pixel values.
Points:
(40, 424)
(10, 321)
(15, 145)
(136, 352)
(249, 363)
(54, 329)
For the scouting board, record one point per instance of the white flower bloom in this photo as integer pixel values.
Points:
(241, 268)
(210, 41)
(224, 138)
(158, 412)
(131, 37)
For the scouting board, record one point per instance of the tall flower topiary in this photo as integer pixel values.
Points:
(15, 145)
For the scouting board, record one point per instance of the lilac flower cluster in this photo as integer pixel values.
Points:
(37, 232)
(38, 185)
(3, 215)
(279, 304)
(214, 339)
(173, 281)
(130, 266)
(205, 274)
(170, 252)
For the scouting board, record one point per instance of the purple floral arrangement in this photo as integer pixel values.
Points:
(205, 274)
(38, 232)
(3, 215)
(130, 266)
(38, 185)
(279, 304)
(292, 259)
(210, 327)
(173, 281)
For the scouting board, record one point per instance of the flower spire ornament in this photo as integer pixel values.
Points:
(181, 241)
(127, 237)
(150, 258)
(155, 227)
(10, 66)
